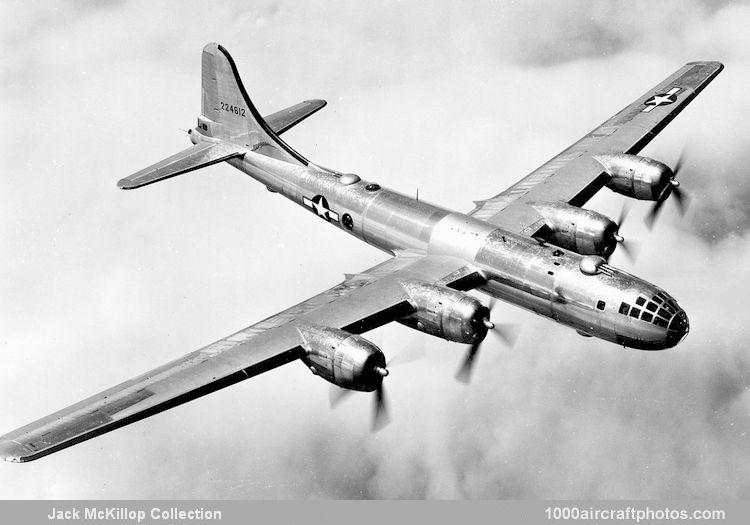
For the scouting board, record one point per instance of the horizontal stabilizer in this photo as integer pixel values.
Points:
(198, 156)
(282, 120)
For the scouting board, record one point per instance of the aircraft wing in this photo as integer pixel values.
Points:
(574, 176)
(284, 119)
(207, 153)
(360, 303)
(197, 156)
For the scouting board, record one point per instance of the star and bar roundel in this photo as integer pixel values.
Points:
(319, 205)
(662, 99)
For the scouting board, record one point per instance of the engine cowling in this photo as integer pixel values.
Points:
(635, 176)
(345, 359)
(446, 313)
(582, 231)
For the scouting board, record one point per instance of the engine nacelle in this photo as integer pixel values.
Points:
(446, 313)
(344, 359)
(582, 231)
(634, 176)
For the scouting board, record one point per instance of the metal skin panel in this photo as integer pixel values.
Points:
(202, 154)
(583, 231)
(287, 118)
(574, 176)
(446, 313)
(431, 245)
(226, 104)
(344, 359)
(355, 305)
(637, 177)
(548, 280)
(517, 267)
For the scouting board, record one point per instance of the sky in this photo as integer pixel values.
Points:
(455, 99)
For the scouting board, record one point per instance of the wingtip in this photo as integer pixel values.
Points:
(125, 184)
(714, 63)
(13, 452)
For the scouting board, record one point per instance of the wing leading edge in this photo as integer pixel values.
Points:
(205, 154)
(287, 118)
(574, 176)
(361, 302)
(195, 157)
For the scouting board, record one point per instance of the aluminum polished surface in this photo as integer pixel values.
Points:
(530, 245)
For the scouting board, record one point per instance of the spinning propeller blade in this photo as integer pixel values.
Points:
(681, 198)
(380, 415)
(629, 248)
(506, 331)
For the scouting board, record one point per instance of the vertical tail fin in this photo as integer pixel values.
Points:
(228, 113)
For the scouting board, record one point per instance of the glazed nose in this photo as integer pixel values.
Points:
(678, 328)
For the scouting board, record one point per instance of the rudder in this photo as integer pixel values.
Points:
(228, 113)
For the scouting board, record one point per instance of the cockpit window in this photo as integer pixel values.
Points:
(600, 305)
(664, 313)
(651, 307)
(647, 316)
(624, 307)
(635, 312)
(657, 299)
(640, 301)
(658, 321)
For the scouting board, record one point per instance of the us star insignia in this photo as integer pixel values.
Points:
(319, 205)
(662, 99)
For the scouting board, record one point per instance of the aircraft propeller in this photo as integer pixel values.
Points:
(506, 331)
(629, 248)
(673, 188)
(380, 414)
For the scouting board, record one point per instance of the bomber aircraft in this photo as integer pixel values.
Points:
(532, 245)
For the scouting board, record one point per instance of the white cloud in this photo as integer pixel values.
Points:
(99, 285)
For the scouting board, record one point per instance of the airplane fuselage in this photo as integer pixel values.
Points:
(606, 303)
(438, 256)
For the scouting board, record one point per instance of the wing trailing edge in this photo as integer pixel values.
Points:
(229, 125)
(287, 118)
(198, 156)
(358, 304)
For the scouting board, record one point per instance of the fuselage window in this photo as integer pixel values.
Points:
(635, 312)
(600, 305)
(558, 253)
(624, 307)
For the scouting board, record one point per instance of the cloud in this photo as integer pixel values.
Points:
(99, 285)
